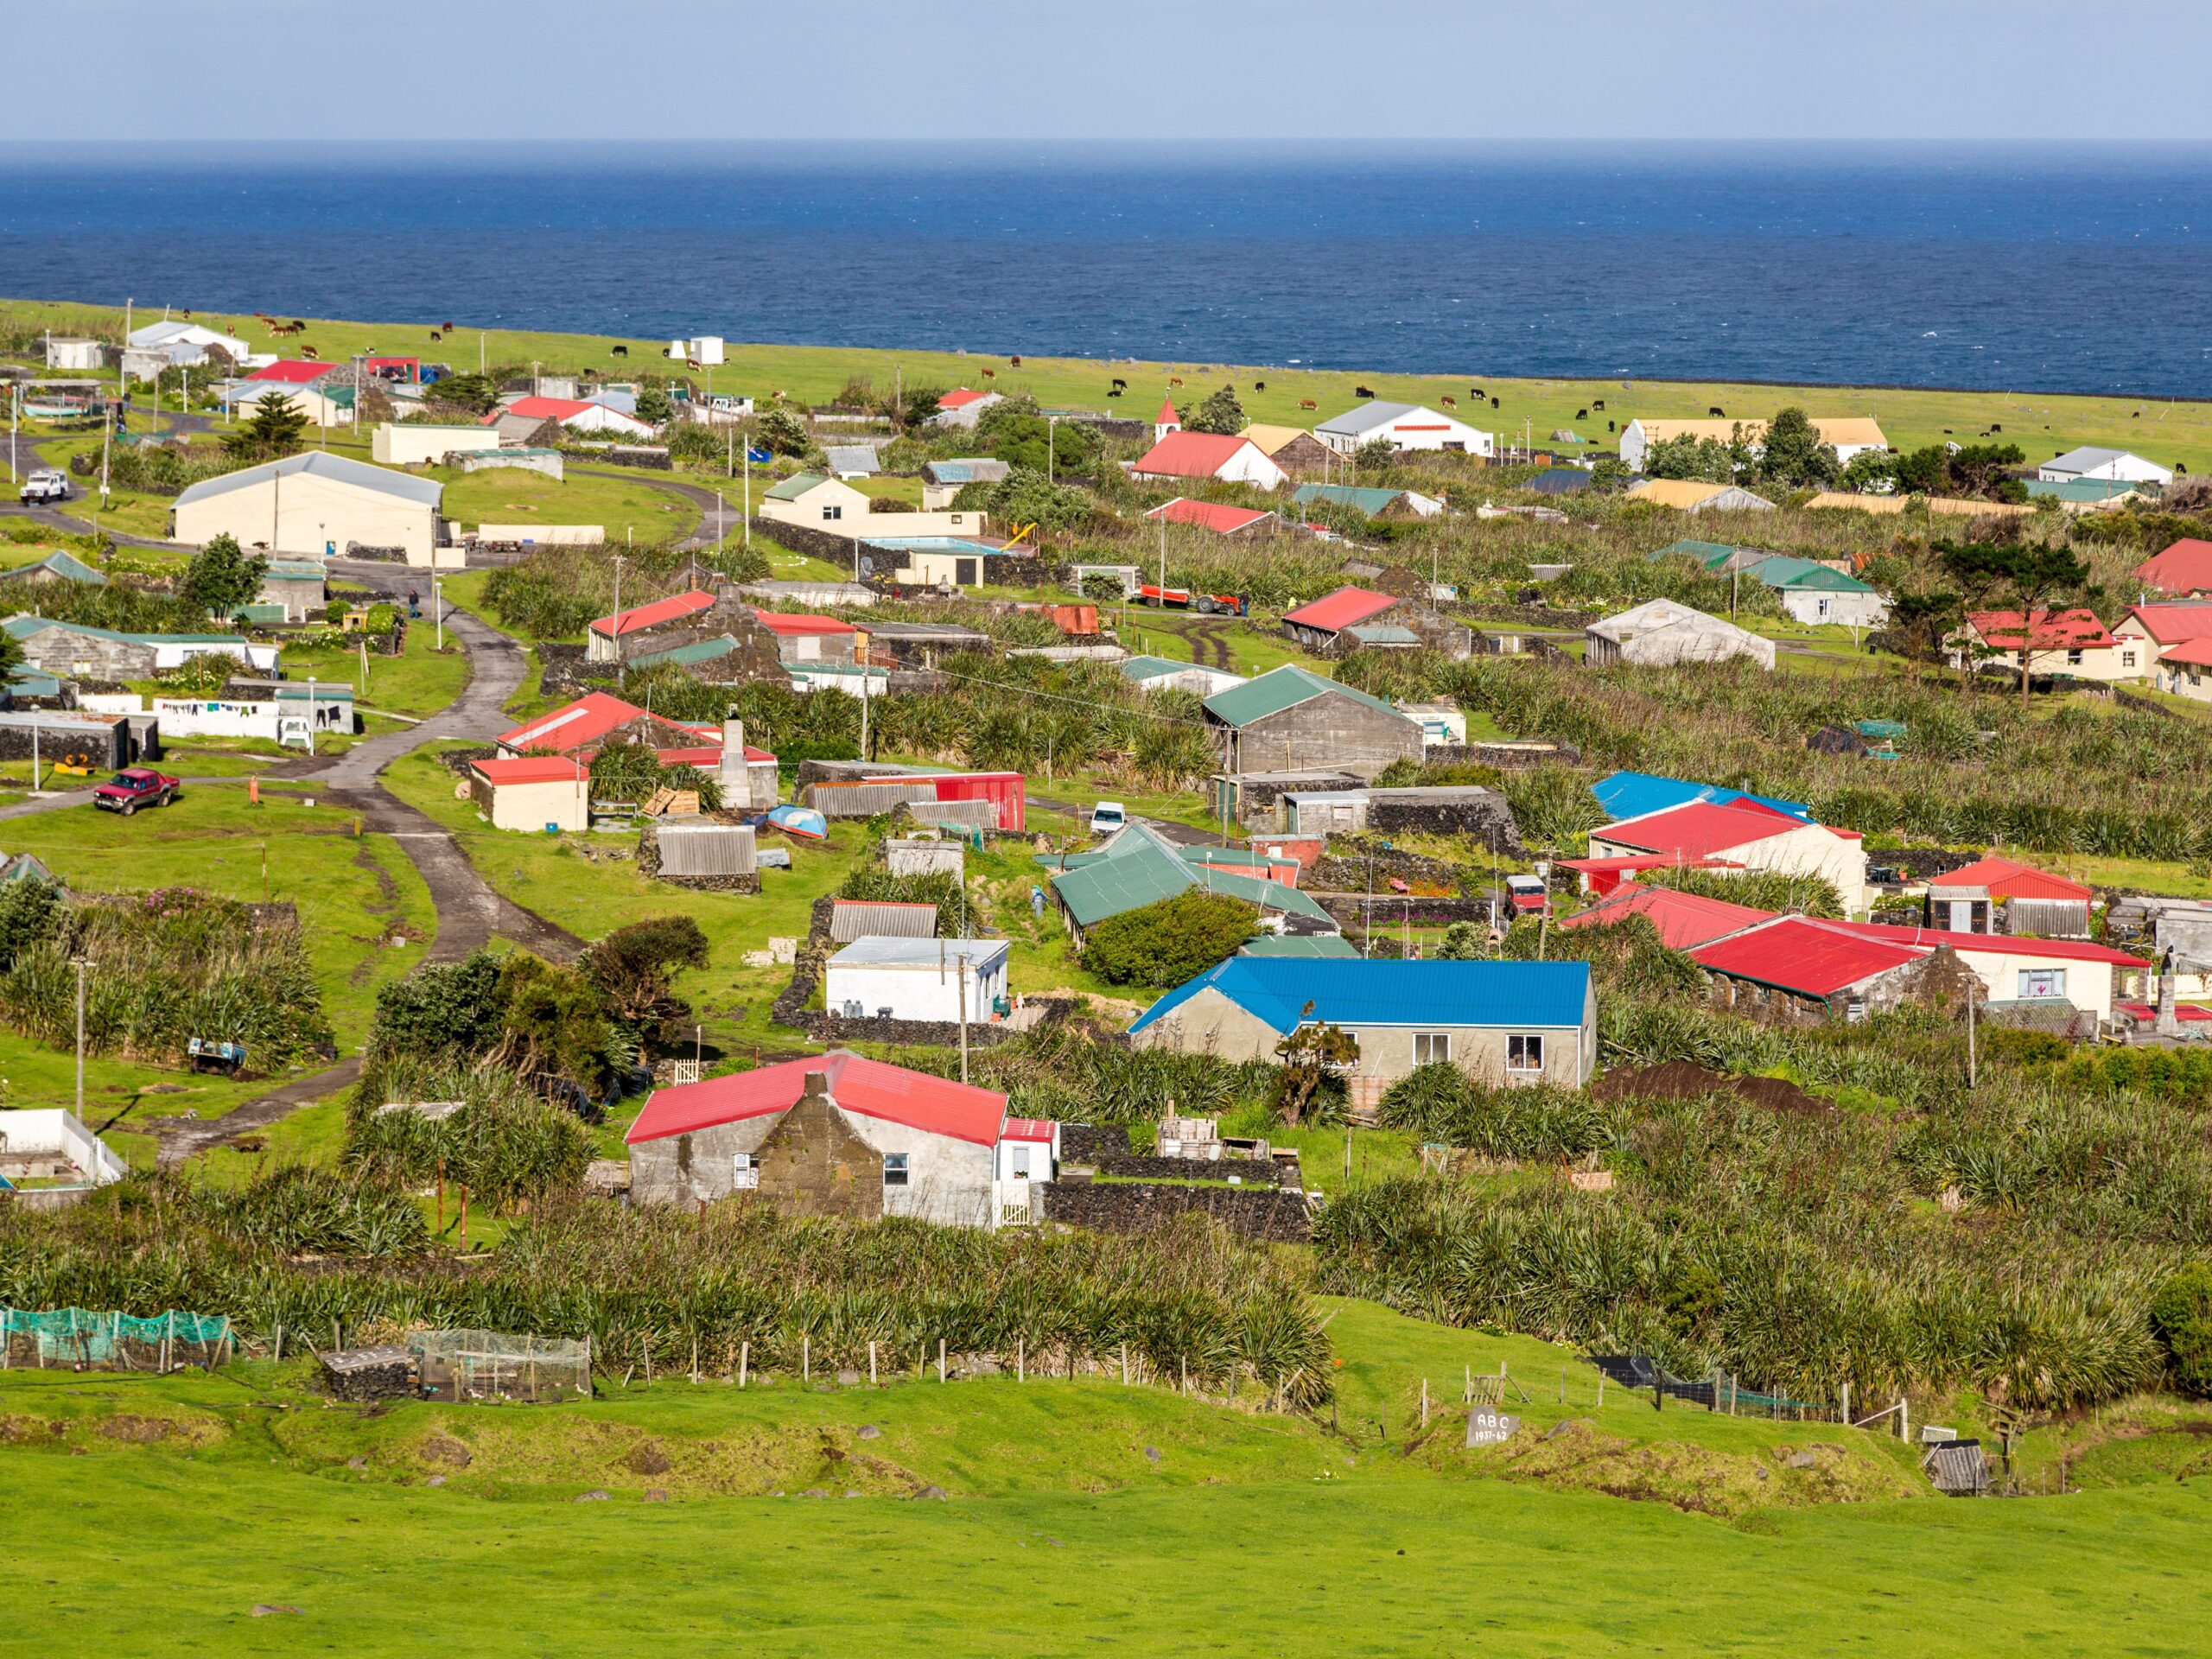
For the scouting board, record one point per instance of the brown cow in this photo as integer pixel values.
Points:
(1450, 402)
(1174, 380)
(448, 328)
(990, 374)
(435, 336)
(1306, 403)
(310, 354)
(1014, 362)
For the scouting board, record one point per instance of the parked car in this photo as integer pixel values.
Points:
(134, 787)
(1106, 817)
(1527, 895)
(45, 485)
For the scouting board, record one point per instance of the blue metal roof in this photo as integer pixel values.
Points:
(1276, 989)
(1632, 794)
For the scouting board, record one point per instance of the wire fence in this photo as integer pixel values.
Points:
(84, 1340)
(1719, 1392)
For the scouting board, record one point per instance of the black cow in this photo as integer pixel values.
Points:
(1597, 402)
(1718, 413)
(1363, 391)
(1120, 385)
(1477, 393)
(1115, 393)
(1581, 414)
(621, 351)
(1494, 402)
(1259, 385)
(1997, 426)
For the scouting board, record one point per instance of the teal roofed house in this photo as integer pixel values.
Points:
(1371, 500)
(72, 651)
(1290, 719)
(1153, 673)
(1815, 593)
(57, 566)
(1141, 866)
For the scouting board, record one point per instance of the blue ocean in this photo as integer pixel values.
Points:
(2006, 269)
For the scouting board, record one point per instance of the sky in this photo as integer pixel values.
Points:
(999, 70)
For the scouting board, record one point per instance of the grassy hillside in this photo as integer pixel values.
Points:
(2041, 422)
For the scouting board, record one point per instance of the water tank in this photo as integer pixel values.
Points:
(706, 350)
(680, 349)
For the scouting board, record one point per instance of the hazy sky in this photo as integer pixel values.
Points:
(1126, 69)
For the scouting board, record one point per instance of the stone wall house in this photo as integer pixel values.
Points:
(1292, 718)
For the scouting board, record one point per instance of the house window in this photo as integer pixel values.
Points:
(745, 1174)
(833, 513)
(2128, 660)
(2041, 982)
(1524, 1051)
(894, 1169)
(2074, 658)
(807, 648)
(1820, 607)
(1020, 1160)
(1432, 1048)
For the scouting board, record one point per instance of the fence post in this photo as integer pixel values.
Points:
(1424, 1402)
(280, 1342)
(1714, 1403)
(1601, 1390)
(940, 1359)
(744, 1360)
(871, 1362)
(695, 1358)
(1020, 1360)
(806, 1359)
(1466, 1385)
(1846, 1405)
(1125, 1364)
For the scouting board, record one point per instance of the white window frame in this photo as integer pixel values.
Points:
(1522, 1041)
(744, 1173)
(1427, 1044)
(1018, 1162)
(898, 1169)
(2051, 981)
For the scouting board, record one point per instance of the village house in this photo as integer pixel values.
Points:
(1816, 593)
(57, 566)
(1141, 866)
(2183, 570)
(1370, 500)
(541, 777)
(1291, 717)
(1216, 516)
(187, 345)
(71, 650)
(1404, 427)
(940, 981)
(838, 1134)
(943, 480)
(1664, 632)
(817, 501)
(1297, 451)
(598, 415)
(2149, 634)
(1501, 1022)
(290, 371)
(313, 503)
(1183, 455)
(2092, 460)
(2072, 642)
(1849, 435)
(1742, 834)
(296, 590)
(324, 402)
(1634, 794)
(1683, 921)
(421, 443)
(2001, 895)
(1695, 495)
(642, 624)
(1352, 618)
(1153, 673)
(2185, 670)
(963, 407)
(805, 640)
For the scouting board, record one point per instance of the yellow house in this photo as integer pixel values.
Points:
(1847, 434)
(816, 501)
(1695, 495)
(313, 503)
(422, 444)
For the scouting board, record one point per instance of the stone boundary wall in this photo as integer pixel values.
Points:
(1259, 1212)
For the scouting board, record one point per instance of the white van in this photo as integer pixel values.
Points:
(1106, 817)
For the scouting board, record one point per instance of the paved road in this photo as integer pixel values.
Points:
(712, 527)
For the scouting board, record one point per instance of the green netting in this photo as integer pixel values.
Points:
(68, 1338)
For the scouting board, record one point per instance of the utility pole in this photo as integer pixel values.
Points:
(80, 964)
(619, 678)
(437, 607)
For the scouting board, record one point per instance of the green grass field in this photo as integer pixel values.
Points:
(2042, 423)
(1079, 1515)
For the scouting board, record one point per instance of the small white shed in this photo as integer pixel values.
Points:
(919, 979)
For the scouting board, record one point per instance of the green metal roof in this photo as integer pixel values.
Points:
(1294, 944)
(1139, 867)
(1711, 554)
(1367, 499)
(1280, 688)
(63, 564)
(24, 626)
(699, 650)
(1151, 668)
(794, 486)
(1783, 571)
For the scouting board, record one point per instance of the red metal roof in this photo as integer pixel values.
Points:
(2194, 653)
(2145, 1012)
(1029, 1128)
(2073, 630)
(1684, 920)
(789, 623)
(1216, 516)
(1339, 610)
(869, 1087)
(2171, 625)
(2007, 878)
(2184, 568)
(578, 725)
(1797, 954)
(530, 769)
(2003, 945)
(661, 610)
(546, 408)
(293, 371)
(1167, 416)
(1191, 454)
(959, 398)
(1701, 829)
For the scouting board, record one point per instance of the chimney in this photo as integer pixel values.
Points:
(2169, 1023)
(736, 782)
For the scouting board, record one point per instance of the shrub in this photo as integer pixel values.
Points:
(1169, 942)
(2181, 1318)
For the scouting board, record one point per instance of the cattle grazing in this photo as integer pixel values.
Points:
(448, 328)
(1450, 402)
(1581, 414)
(435, 336)
(1494, 402)
(1174, 380)
(310, 354)
(1014, 362)
(1718, 413)
(1120, 385)
(620, 351)
(1597, 402)
(1307, 403)
(1114, 391)
(1259, 385)
(1477, 393)
(1609, 426)
(1363, 391)
(1997, 426)
(990, 374)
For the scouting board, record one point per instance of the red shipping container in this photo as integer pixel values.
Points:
(1003, 788)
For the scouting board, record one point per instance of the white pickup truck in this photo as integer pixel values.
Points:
(45, 485)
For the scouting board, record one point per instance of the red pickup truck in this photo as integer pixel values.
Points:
(134, 787)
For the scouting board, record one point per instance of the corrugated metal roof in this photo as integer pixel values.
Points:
(1708, 554)
(699, 650)
(2006, 878)
(65, 565)
(794, 486)
(1191, 454)
(1139, 867)
(1528, 996)
(1306, 946)
(2184, 568)
(851, 460)
(977, 469)
(706, 849)
(1280, 688)
(1684, 920)
(870, 1087)
(1797, 954)
(335, 469)
(1382, 633)
(675, 606)
(1340, 609)
(1216, 516)
(882, 951)
(2172, 623)
(1633, 794)
(859, 918)
(1701, 829)
(1370, 500)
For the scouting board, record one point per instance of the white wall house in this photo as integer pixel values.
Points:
(1405, 426)
(1746, 835)
(2092, 462)
(1849, 435)
(419, 443)
(919, 979)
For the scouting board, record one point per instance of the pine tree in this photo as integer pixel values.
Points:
(1220, 413)
(273, 430)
